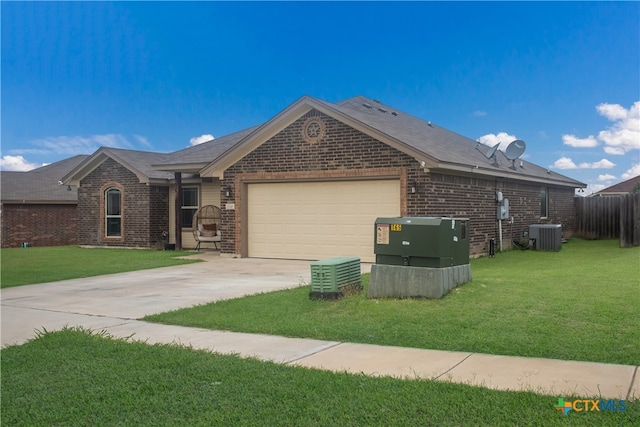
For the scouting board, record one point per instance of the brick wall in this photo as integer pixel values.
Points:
(346, 152)
(145, 208)
(158, 214)
(39, 225)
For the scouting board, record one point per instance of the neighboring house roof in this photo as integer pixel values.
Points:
(40, 185)
(439, 148)
(623, 187)
(138, 162)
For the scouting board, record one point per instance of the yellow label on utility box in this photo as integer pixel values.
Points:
(396, 227)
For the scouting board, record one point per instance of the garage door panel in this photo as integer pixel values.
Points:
(314, 220)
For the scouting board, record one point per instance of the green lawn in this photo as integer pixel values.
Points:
(49, 264)
(581, 303)
(75, 378)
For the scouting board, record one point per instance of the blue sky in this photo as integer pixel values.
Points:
(154, 76)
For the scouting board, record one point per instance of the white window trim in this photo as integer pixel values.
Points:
(107, 216)
(196, 207)
(546, 203)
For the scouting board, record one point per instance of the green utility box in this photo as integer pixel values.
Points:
(331, 277)
(419, 257)
(422, 241)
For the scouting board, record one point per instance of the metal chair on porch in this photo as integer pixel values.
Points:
(206, 225)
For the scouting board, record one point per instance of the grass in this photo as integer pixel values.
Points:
(577, 304)
(76, 378)
(49, 264)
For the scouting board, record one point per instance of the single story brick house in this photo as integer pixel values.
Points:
(36, 210)
(310, 182)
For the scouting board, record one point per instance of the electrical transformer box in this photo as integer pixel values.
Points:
(422, 241)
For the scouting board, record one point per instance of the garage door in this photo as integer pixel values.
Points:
(315, 220)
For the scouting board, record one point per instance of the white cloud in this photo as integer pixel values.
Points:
(615, 151)
(606, 177)
(633, 171)
(200, 139)
(17, 163)
(567, 163)
(502, 137)
(602, 164)
(612, 112)
(574, 141)
(72, 145)
(564, 163)
(624, 134)
(621, 136)
(479, 113)
(143, 140)
(594, 188)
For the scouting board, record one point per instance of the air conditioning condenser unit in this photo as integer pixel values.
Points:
(546, 237)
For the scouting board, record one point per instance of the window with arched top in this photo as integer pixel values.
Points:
(113, 212)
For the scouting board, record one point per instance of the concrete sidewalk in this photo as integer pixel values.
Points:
(112, 303)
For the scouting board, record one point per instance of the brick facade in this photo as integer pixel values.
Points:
(145, 208)
(347, 153)
(39, 225)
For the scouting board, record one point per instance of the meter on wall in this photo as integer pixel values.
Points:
(503, 209)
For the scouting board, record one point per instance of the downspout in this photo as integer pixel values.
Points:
(178, 211)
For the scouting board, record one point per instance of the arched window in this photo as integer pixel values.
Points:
(113, 212)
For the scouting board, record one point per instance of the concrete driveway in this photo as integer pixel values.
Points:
(99, 302)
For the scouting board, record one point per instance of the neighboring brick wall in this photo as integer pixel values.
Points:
(145, 209)
(347, 152)
(39, 225)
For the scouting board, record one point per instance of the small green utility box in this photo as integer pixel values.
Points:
(331, 277)
(422, 241)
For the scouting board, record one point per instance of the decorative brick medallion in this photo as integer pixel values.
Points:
(313, 130)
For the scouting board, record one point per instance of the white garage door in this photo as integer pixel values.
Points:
(315, 220)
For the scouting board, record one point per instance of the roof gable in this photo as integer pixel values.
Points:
(138, 162)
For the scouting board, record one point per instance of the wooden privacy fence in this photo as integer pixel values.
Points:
(609, 217)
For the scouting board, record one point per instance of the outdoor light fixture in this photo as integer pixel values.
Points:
(414, 187)
(227, 191)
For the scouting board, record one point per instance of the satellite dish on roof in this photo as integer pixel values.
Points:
(492, 151)
(515, 150)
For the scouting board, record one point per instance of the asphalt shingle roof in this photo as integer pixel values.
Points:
(436, 142)
(40, 185)
(621, 187)
(207, 151)
(447, 149)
